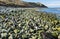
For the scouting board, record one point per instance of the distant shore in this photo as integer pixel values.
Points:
(18, 6)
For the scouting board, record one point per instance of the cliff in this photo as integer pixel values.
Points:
(19, 3)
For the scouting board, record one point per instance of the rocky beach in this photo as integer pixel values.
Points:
(28, 24)
(28, 20)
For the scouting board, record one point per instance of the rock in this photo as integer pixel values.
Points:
(47, 36)
(59, 36)
(46, 27)
(10, 37)
(3, 34)
(16, 30)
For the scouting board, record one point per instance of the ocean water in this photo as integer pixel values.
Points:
(51, 10)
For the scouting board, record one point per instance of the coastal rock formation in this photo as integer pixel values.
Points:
(19, 3)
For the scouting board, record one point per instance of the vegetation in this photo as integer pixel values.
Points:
(29, 24)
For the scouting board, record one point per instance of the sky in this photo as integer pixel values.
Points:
(49, 3)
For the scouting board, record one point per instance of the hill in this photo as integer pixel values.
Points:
(19, 3)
